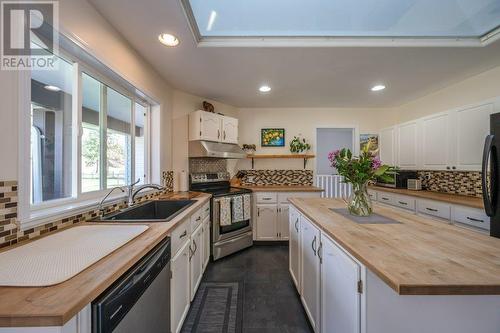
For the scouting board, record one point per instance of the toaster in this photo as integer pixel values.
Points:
(414, 184)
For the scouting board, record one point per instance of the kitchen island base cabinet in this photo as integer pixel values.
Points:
(310, 271)
(180, 287)
(294, 246)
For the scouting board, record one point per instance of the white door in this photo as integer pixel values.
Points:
(310, 271)
(387, 146)
(472, 126)
(340, 299)
(407, 145)
(210, 126)
(267, 216)
(180, 287)
(294, 246)
(229, 130)
(206, 242)
(283, 222)
(196, 260)
(436, 142)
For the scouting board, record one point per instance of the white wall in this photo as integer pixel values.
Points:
(183, 104)
(303, 121)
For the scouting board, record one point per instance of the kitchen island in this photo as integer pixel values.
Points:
(413, 274)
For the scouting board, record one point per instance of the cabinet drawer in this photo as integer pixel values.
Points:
(205, 210)
(283, 196)
(434, 209)
(180, 235)
(405, 202)
(196, 219)
(474, 217)
(386, 198)
(266, 197)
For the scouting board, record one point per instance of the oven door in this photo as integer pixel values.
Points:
(225, 232)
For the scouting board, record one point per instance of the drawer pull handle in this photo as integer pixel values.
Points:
(313, 245)
(431, 209)
(184, 234)
(403, 203)
(296, 222)
(267, 199)
(385, 198)
(474, 220)
(207, 209)
(199, 218)
(319, 252)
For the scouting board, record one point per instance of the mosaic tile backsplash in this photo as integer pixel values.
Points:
(201, 165)
(11, 234)
(277, 177)
(453, 182)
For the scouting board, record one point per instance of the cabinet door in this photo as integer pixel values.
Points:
(340, 299)
(310, 271)
(210, 126)
(294, 254)
(472, 126)
(180, 288)
(266, 222)
(283, 222)
(436, 142)
(407, 145)
(206, 242)
(229, 130)
(387, 146)
(196, 259)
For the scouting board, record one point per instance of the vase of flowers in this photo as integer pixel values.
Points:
(358, 171)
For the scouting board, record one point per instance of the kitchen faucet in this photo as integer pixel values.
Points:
(105, 197)
(132, 191)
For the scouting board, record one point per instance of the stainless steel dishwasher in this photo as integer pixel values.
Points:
(140, 300)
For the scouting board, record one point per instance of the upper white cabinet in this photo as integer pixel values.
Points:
(212, 127)
(436, 141)
(472, 126)
(407, 145)
(387, 146)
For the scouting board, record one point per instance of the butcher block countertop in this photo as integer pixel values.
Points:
(283, 188)
(444, 197)
(55, 305)
(420, 256)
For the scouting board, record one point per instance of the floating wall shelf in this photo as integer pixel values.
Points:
(304, 157)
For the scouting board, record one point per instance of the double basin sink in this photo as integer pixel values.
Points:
(150, 211)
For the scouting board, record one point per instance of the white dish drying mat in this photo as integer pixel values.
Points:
(58, 257)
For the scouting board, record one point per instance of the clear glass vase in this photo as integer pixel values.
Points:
(359, 202)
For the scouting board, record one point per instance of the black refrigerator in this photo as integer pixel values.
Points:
(490, 175)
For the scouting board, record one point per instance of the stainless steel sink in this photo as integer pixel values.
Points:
(150, 211)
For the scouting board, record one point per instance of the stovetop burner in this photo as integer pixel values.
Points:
(216, 184)
(218, 192)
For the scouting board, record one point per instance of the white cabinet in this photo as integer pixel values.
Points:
(407, 145)
(212, 127)
(294, 246)
(283, 232)
(436, 141)
(196, 259)
(340, 290)
(229, 130)
(434, 208)
(180, 287)
(471, 217)
(310, 271)
(266, 226)
(472, 126)
(387, 146)
(206, 241)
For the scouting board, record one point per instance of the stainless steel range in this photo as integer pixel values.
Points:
(231, 212)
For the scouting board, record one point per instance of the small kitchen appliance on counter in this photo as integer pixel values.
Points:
(414, 184)
(398, 179)
(226, 238)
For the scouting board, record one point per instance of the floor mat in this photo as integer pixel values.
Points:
(217, 308)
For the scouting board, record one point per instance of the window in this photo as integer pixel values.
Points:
(78, 148)
(51, 134)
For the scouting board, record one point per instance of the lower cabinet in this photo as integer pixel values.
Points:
(266, 222)
(340, 290)
(294, 246)
(310, 271)
(283, 231)
(196, 259)
(206, 242)
(180, 287)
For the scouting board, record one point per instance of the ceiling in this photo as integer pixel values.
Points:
(299, 76)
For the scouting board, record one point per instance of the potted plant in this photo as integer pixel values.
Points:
(358, 171)
(299, 145)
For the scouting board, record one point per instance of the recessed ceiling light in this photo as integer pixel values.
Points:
(265, 89)
(168, 40)
(378, 87)
(52, 88)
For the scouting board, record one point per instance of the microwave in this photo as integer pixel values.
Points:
(397, 179)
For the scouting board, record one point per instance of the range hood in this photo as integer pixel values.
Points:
(202, 148)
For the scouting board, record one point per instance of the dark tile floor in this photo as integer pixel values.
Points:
(271, 302)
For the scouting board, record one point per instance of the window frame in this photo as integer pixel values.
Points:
(34, 214)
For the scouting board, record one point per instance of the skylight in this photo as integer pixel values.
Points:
(445, 19)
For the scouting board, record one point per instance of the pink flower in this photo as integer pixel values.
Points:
(333, 155)
(376, 163)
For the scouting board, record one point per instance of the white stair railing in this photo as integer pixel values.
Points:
(333, 186)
